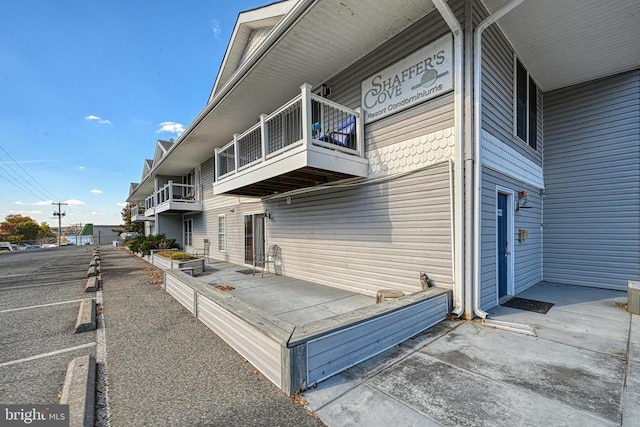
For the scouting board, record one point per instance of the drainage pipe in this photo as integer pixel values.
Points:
(458, 105)
(477, 129)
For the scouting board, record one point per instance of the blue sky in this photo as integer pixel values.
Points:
(88, 87)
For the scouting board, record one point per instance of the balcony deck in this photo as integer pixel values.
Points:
(307, 142)
(173, 198)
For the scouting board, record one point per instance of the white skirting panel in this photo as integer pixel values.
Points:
(263, 352)
(181, 292)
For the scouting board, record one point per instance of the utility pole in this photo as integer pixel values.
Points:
(59, 214)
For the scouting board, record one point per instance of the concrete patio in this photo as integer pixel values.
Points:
(582, 369)
(299, 333)
(291, 300)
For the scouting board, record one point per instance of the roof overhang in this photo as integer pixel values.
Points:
(563, 43)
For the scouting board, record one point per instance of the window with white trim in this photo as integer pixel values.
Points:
(222, 247)
(188, 232)
(526, 106)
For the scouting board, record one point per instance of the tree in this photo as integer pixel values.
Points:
(129, 225)
(17, 228)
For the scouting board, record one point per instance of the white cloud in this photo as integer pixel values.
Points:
(97, 119)
(74, 202)
(26, 212)
(97, 213)
(215, 27)
(95, 191)
(46, 202)
(171, 127)
(81, 168)
(20, 203)
(121, 204)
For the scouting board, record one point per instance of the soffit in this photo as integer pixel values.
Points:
(567, 42)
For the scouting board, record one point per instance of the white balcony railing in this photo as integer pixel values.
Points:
(172, 192)
(171, 196)
(149, 203)
(137, 211)
(306, 119)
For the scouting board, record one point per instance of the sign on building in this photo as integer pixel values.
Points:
(422, 75)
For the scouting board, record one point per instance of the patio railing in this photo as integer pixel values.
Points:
(306, 119)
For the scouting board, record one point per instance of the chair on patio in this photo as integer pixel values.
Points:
(203, 252)
(344, 134)
(265, 259)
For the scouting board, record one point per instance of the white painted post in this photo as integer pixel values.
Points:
(216, 164)
(264, 139)
(170, 184)
(236, 152)
(306, 113)
(360, 131)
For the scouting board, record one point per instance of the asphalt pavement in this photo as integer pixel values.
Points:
(40, 294)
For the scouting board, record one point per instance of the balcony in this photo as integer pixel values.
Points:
(173, 198)
(307, 142)
(137, 213)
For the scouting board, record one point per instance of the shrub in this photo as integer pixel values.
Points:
(177, 256)
(144, 244)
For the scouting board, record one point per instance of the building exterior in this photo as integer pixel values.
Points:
(489, 144)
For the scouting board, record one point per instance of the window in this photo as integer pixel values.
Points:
(526, 106)
(221, 234)
(188, 232)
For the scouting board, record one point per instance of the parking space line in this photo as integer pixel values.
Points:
(43, 305)
(40, 284)
(52, 353)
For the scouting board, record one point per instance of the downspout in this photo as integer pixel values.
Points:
(458, 107)
(477, 128)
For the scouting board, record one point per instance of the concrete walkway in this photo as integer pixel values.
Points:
(582, 369)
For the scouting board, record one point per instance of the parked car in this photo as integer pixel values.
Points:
(6, 247)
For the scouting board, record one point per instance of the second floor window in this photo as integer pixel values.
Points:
(526, 106)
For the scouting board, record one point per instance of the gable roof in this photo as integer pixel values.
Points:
(162, 148)
(251, 28)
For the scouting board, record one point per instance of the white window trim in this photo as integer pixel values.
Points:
(184, 232)
(224, 233)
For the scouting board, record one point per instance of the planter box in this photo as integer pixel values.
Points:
(167, 264)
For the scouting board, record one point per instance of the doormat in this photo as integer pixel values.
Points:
(528, 305)
(245, 271)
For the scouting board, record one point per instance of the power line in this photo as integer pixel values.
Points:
(28, 174)
(11, 180)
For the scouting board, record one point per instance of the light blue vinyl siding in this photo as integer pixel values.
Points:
(592, 174)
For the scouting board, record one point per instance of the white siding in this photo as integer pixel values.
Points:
(370, 237)
(592, 172)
